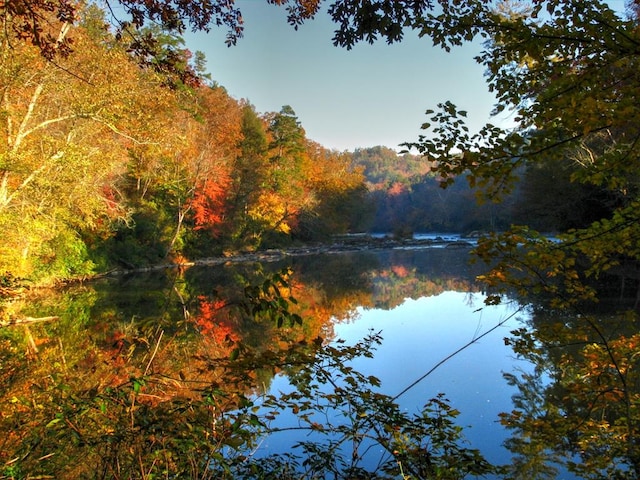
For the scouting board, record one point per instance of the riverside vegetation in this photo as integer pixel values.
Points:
(119, 150)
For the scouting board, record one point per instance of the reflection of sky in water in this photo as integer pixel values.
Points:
(420, 333)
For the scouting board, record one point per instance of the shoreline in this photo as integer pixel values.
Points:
(349, 244)
(342, 244)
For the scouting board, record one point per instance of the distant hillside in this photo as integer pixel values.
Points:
(383, 166)
(406, 197)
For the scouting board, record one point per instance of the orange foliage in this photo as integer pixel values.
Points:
(214, 322)
(208, 203)
(396, 189)
(400, 271)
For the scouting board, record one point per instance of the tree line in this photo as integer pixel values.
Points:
(405, 196)
(113, 158)
(108, 162)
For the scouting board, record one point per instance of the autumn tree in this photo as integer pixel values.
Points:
(248, 177)
(340, 203)
(283, 193)
(208, 167)
(105, 159)
(66, 130)
(177, 184)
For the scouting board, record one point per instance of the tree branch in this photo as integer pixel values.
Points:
(27, 320)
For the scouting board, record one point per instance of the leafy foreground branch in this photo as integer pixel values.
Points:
(138, 430)
(351, 430)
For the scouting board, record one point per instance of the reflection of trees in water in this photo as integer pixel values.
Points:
(580, 406)
(139, 370)
(141, 367)
(117, 387)
(75, 405)
(416, 273)
(156, 373)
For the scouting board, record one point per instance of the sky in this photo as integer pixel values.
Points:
(345, 99)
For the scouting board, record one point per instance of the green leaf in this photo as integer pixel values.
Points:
(53, 422)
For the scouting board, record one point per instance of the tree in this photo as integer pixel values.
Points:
(66, 129)
(283, 193)
(248, 174)
(214, 133)
(567, 70)
(34, 21)
(339, 193)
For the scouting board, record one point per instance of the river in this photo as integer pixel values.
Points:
(119, 376)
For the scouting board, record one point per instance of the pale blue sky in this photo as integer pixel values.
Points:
(371, 95)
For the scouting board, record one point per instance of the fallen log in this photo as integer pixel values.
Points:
(26, 320)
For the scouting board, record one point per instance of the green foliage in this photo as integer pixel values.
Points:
(384, 166)
(143, 242)
(267, 301)
(370, 21)
(288, 135)
(567, 71)
(64, 256)
(550, 65)
(286, 153)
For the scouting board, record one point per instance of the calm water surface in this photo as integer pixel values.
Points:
(438, 336)
(424, 303)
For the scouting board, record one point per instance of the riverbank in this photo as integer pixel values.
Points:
(341, 244)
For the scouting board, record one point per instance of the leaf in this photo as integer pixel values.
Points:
(53, 422)
(138, 383)
(233, 441)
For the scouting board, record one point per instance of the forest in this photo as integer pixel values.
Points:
(110, 162)
(119, 152)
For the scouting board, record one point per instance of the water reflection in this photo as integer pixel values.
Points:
(579, 407)
(423, 354)
(161, 372)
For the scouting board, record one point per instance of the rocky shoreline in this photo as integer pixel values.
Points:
(342, 244)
